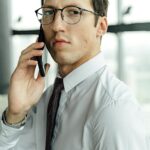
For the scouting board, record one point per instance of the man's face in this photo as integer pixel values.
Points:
(72, 44)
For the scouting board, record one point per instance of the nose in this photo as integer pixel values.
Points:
(58, 23)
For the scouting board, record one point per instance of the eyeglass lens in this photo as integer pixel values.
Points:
(70, 15)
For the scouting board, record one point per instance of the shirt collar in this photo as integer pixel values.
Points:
(83, 72)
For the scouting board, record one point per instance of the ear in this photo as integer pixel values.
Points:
(102, 26)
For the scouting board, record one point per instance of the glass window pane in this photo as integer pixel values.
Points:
(109, 49)
(136, 11)
(112, 12)
(137, 63)
(23, 15)
(19, 43)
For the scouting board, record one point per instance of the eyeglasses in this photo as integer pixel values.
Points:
(69, 14)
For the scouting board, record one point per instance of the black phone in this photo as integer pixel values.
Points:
(39, 58)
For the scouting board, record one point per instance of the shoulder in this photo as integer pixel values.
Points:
(110, 89)
(118, 102)
(114, 87)
(118, 117)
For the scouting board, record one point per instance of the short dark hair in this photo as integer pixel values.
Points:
(100, 6)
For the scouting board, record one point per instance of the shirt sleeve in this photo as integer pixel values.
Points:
(119, 126)
(9, 136)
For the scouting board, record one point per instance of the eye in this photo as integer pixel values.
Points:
(48, 12)
(71, 11)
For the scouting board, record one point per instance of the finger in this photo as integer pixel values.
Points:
(27, 63)
(31, 55)
(37, 45)
(28, 66)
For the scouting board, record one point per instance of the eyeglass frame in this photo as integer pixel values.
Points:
(62, 9)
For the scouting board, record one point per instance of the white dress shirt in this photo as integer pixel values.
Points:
(96, 112)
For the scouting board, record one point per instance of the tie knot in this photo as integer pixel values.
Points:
(59, 83)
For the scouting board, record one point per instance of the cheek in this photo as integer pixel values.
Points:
(48, 36)
(85, 39)
(85, 43)
(86, 33)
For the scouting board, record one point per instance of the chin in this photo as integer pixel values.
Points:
(63, 60)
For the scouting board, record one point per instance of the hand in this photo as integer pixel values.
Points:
(24, 90)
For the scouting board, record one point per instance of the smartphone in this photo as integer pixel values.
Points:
(39, 58)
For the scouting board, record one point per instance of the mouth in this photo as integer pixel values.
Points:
(59, 42)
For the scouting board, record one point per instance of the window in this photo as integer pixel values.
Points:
(137, 63)
(23, 15)
(23, 18)
(136, 11)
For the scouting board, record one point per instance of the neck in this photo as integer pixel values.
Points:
(66, 69)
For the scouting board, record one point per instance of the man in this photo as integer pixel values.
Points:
(96, 111)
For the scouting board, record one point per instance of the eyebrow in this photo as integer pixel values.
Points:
(48, 6)
(72, 4)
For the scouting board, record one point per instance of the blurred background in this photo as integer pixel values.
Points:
(126, 46)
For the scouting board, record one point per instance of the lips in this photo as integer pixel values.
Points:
(59, 41)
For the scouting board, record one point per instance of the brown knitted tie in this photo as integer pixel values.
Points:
(52, 111)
